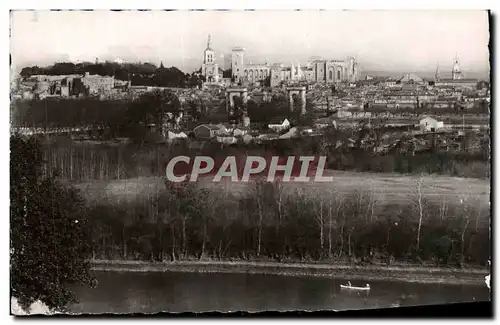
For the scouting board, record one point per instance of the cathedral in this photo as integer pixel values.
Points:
(210, 68)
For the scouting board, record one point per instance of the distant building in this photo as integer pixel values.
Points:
(243, 72)
(279, 124)
(457, 78)
(410, 78)
(206, 131)
(390, 82)
(210, 68)
(437, 76)
(322, 71)
(343, 113)
(324, 123)
(456, 73)
(457, 83)
(176, 135)
(226, 139)
(241, 131)
(317, 71)
(428, 124)
(97, 84)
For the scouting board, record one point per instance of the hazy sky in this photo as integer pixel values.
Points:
(381, 40)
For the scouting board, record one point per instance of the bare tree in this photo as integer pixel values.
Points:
(319, 212)
(464, 202)
(443, 209)
(420, 208)
(372, 203)
(280, 202)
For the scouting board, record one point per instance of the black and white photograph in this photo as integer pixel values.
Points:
(221, 161)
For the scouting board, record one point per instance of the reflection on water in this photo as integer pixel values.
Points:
(197, 292)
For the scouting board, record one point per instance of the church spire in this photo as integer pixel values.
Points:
(455, 72)
(209, 41)
(161, 65)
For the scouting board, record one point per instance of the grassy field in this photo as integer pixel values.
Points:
(386, 187)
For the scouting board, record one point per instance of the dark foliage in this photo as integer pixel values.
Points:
(270, 223)
(50, 242)
(140, 74)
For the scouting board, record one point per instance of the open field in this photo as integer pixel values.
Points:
(386, 187)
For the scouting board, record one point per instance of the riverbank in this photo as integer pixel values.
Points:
(416, 274)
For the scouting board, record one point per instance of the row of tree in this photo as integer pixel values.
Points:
(116, 115)
(281, 223)
(139, 74)
(112, 117)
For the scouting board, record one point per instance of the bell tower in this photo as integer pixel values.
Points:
(455, 72)
(210, 69)
(209, 52)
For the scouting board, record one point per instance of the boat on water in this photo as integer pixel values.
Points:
(349, 286)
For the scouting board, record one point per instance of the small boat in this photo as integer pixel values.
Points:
(349, 286)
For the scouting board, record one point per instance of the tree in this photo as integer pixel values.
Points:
(49, 234)
(299, 119)
(193, 110)
(239, 109)
(195, 80)
(420, 209)
(152, 107)
(227, 73)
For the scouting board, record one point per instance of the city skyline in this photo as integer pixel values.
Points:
(392, 41)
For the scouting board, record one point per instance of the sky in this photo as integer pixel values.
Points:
(410, 41)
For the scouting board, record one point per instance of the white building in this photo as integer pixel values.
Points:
(279, 124)
(210, 68)
(429, 124)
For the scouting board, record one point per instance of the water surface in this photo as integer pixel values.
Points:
(150, 292)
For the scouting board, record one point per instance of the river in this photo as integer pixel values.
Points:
(151, 292)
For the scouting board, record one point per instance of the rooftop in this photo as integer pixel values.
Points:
(277, 120)
(457, 81)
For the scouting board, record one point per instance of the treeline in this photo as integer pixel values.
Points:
(265, 112)
(56, 112)
(275, 223)
(140, 74)
(106, 119)
(106, 161)
(121, 114)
